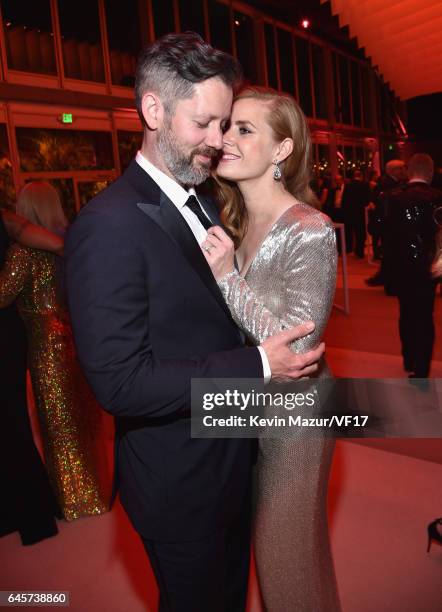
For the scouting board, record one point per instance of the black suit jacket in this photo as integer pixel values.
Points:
(147, 317)
(410, 232)
(356, 197)
(329, 207)
(385, 184)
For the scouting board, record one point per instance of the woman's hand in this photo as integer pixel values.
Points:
(219, 252)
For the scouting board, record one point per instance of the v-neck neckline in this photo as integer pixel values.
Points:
(266, 239)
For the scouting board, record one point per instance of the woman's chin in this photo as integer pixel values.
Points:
(228, 173)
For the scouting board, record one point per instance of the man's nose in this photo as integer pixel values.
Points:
(215, 138)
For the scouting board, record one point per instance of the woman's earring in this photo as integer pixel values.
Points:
(277, 174)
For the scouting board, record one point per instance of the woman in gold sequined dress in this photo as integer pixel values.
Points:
(68, 413)
(286, 254)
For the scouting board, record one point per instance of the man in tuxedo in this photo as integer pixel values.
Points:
(395, 175)
(148, 317)
(410, 231)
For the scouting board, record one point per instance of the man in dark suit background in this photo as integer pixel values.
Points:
(356, 197)
(334, 209)
(411, 231)
(148, 317)
(395, 175)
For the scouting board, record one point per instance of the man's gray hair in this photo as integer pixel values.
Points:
(172, 65)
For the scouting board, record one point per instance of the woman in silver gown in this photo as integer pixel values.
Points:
(286, 254)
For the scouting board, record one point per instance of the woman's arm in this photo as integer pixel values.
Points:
(26, 233)
(13, 275)
(308, 284)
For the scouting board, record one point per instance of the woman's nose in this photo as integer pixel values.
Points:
(228, 138)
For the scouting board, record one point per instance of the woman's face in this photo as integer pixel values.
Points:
(249, 147)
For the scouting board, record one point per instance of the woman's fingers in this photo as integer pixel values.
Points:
(209, 246)
(219, 252)
(217, 240)
(217, 233)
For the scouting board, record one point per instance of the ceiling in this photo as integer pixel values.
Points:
(323, 23)
(402, 37)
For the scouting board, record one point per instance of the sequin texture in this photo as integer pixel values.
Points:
(291, 280)
(68, 413)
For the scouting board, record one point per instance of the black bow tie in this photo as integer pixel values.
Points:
(195, 207)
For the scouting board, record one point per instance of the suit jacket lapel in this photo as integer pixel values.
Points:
(210, 209)
(170, 220)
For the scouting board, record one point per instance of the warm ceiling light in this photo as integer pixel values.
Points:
(305, 23)
(237, 22)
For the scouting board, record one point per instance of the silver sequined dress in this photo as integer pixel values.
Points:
(291, 280)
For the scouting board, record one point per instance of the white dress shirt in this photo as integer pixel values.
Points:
(178, 196)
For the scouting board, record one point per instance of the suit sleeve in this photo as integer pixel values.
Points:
(108, 296)
(308, 285)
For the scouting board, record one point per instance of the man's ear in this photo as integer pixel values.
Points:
(284, 149)
(153, 110)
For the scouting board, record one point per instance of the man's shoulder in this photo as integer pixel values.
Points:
(431, 192)
(113, 211)
(117, 203)
(116, 196)
(437, 194)
(386, 183)
(422, 191)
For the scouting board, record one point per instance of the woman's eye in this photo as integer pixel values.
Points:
(244, 130)
(202, 125)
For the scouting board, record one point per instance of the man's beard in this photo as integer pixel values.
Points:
(179, 163)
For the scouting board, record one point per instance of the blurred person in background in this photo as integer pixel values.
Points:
(356, 198)
(395, 175)
(410, 232)
(333, 207)
(320, 186)
(372, 224)
(29, 505)
(68, 413)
